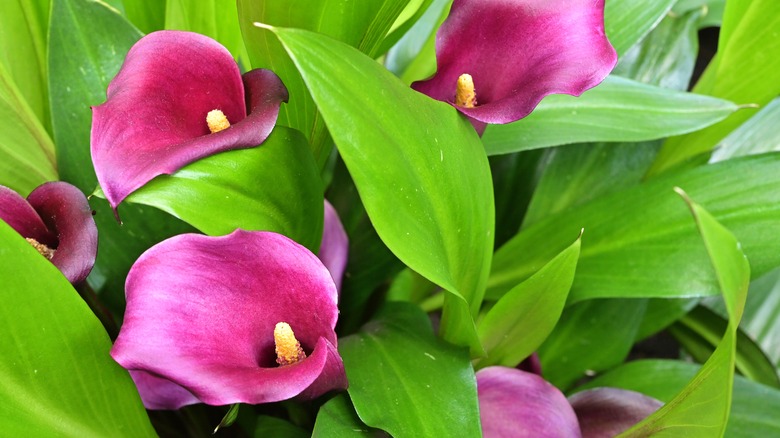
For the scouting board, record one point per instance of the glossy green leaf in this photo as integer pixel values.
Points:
(591, 336)
(618, 109)
(87, 45)
(701, 409)
(337, 418)
(753, 410)
(217, 19)
(26, 150)
(419, 168)
(23, 33)
(58, 378)
(406, 20)
(414, 56)
(359, 23)
(746, 71)
(758, 135)
(404, 380)
(146, 15)
(268, 426)
(627, 21)
(699, 332)
(273, 187)
(661, 313)
(523, 318)
(711, 11)
(641, 241)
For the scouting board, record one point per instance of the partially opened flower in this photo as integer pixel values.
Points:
(56, 219)
(334, 248)
(248, 317)
(496, 59)
(608, 412)
(520, 404)
(179, 97)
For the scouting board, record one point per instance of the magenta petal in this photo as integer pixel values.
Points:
(154, 119)
(66, 212)
(57, 215)
(201, 313)
(159, 393)
(19, 214)
(607, 412)
(334, 248)
(519, 51)
(519, 404)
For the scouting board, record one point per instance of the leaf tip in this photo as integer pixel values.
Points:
(263, 26)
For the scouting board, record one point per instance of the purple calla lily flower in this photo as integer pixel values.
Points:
(496, 59)
(608, 412)
(57, 220)
(520, 404)
(334, 248)
(178, 97)
(243, 318)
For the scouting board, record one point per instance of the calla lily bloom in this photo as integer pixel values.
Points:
(178, 97)
(243, 318)
(608, 412)
(56, 219)
(496, 59)
(334, 248)
(520, 404)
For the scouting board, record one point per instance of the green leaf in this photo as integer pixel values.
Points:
(230, 417)
(414, 56)
(627, 21)
(146, 15)
(406, 381)
(217, 19)
(405, 21)
(662, 312)
(87, 45)
(419, 167)
(699, 332)
(337, 418)
(641, 242)
(26, 150)
(23, 26)
(758, 135)
(618, 109)
(746, 71)
(58, 378)
(523, 318)
(753, 410)
(359, 23)
(702, 407)
(273, 187)
(591, 336)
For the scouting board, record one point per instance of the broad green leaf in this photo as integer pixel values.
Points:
(337, 418)
(23, 27)
(523, 318)
(404, 380)
(419, 168)
(58, 378)
(711, 11)
(593, 335)
(87, 45)
(272, 187)
(414, 56)
(699, 332)
(628, 21)
(26, 150)
(268, 426)
(758, 135)
(217, 19)
(359, 23)
(515, 178)
(618, 109)
(746, 71)
(640, 241)
(406, 20)
(662, 312)
(146, 15)
(753, 410)
(701, 409)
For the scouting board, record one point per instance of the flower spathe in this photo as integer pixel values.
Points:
(57, 220)
(154, 120)
(516, 52)
(200, 319)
